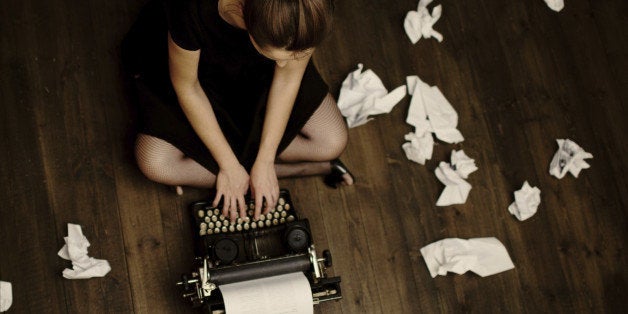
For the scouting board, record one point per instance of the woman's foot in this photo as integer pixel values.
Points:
(340, 175)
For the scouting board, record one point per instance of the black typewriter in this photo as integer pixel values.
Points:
(280, 242)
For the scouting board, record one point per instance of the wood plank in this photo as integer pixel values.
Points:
(28, 244)
(519, 75)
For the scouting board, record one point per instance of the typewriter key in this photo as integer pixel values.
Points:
(231, 228)
(260, 224)
(246, 226)
(250, 212)
(276, 215)
(251, 206)
(218, 224)
(253, 225)
(268, 222)
(290, 218)
(246, 219)
(269, 216)
(239, 220)
(262, 217)
(224, 229)
(216, 230)
(284, 214)
(239, 227)
(210, 231)
(210, 225)
(275, 222)
(214, 218)
(216, 211)
(282, 220)
(226, 250)
(201, 213)
(280, 207)
(287, 206)
(202, 232)
(225, 222)
(208, 219)
(281, 201)
(221, 217)
(203, 225)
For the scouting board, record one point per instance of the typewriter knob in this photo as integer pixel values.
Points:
(226, 250)
(297, 238)
(185, 282)
(327, 256)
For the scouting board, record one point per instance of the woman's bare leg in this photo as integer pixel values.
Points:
(322, 139)
(162, 162)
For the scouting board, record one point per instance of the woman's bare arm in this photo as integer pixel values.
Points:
(281, 97)
(232, 179)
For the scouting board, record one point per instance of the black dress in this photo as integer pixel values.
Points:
(234, 76)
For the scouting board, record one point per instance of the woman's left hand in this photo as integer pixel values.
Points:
(264, 186)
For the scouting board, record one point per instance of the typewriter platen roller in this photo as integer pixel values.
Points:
(278, 243)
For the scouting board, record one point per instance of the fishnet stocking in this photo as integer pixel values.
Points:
(323, 138)
(161, 162)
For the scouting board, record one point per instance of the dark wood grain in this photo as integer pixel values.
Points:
(519, 75)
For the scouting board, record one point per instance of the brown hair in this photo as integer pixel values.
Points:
(294, 25)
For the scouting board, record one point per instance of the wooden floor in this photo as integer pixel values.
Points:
(519, 75)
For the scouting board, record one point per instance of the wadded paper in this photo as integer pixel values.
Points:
(429, 112)
(420, 23)
(6, 296)
(526, 202)
(419, 148)
(555, 5)
(363, 94)
(453, 177)
(75, 250)
(568, 158)
(483, 256)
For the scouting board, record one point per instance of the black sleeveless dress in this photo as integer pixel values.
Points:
(235, 77)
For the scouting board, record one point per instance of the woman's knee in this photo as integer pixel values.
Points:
(328, 129)
(337, 135)
(336, 143)
(331, 143)
(154, 157)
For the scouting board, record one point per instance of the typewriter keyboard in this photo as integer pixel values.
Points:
(211, 221)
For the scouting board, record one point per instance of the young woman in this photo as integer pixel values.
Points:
(229, 97)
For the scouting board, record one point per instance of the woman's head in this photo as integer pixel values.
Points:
(293, 25)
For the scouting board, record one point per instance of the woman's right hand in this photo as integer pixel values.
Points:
(232, 183)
